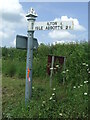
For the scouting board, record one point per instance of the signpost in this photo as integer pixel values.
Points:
(30, 43)
(53, 25)
(31, 16)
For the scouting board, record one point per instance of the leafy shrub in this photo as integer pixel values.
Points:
(21, 70)
(10, 68)
(75, 55)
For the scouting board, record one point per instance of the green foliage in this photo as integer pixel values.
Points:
(62, 101)
(65, 101)
(21, 70)
(75, 54)
(10, 68)
(4, 52)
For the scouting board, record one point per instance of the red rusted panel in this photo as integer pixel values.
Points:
(49, 64)
(57, 59)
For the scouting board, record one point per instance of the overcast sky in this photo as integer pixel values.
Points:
(14, 22)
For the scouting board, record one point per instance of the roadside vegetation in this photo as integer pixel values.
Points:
(61, 101)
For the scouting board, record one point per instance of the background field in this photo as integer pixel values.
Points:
(61, 101)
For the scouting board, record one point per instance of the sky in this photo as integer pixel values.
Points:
(14, 21)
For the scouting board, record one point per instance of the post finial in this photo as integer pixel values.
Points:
(31, 13)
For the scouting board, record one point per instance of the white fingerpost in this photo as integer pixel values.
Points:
(30, 43)
(51, 71)
(64, 70)
(31, 17)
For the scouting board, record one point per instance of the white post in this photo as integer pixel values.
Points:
(28, 90)
(64, 70)
(51, 71)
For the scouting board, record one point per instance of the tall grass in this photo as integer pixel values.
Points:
(68, 101)
(14, 62)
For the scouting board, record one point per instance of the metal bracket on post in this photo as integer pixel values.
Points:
(21, 42)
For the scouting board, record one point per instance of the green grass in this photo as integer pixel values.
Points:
(68, 102)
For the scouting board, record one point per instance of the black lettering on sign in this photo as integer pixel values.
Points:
(51, 27)
(51, 23)
(47, 23)
(66, 27)
(39, 28)
(61, 23)
(36, 28)
(58, 27)
(47, 28)
(69, 27)
(61, 27)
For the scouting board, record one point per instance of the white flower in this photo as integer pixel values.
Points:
(60, 114)
(88, 69)
(74, 87)
(87, 65)
(83, 63)
(42, 105)
(85, 93)
(63, 72)
(43, 102)
(32, 87)
(57, 65)
(81, 85)
(53, 94)
(78, 86)
(50, 98)
(85, 81)
(67, 70)
(51, 68)
(89, 72)
(54, 89)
